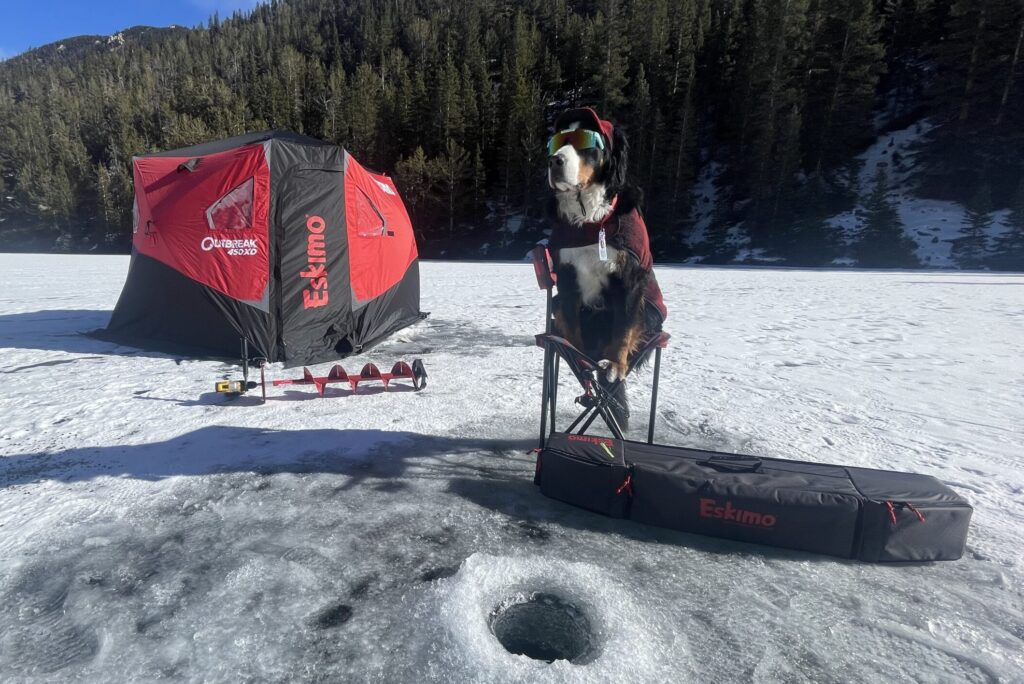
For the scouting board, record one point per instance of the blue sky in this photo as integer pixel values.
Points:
(26, 24)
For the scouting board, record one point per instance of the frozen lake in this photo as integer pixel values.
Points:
(151, 530)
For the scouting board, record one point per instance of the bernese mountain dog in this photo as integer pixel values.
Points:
(608, 299)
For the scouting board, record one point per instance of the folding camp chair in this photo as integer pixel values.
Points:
(598, 398)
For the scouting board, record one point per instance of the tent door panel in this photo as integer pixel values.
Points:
(315, 300)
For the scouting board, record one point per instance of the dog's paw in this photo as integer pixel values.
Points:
(612, 371)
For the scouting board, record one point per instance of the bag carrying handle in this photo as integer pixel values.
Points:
(733, 463)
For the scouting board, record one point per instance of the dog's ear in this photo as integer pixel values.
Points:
(618, 163)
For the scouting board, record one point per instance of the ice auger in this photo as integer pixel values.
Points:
(416, 373)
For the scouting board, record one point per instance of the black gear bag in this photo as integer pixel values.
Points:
(870, 515)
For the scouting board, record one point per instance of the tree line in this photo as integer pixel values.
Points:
(455, 100)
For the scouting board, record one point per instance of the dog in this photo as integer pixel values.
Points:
(608, 299)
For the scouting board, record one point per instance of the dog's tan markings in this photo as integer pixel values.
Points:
(618, 353)
(586, 174)
(571, 333)
(628, 348)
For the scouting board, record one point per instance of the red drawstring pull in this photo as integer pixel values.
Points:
(626, 485)
(919, 514)
(902, 504)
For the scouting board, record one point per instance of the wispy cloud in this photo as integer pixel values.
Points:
(4, 54)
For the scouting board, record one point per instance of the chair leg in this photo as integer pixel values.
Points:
(556, 362)
(654, 395)
(602, 397)
(546, 384)
(545, 390)
(592, 415)
(611, 422)
(580, 418)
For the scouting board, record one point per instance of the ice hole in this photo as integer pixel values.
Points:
(543, 627)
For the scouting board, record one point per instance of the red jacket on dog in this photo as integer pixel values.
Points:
(624, 229)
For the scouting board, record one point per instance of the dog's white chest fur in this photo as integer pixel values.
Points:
(591, 273)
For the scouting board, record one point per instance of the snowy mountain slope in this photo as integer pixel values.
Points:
(152, 530)
(932, 224)
(75, 48)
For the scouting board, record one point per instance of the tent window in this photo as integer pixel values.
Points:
(233, 211)
(372, 223)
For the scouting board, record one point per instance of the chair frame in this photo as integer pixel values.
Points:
(597, 398)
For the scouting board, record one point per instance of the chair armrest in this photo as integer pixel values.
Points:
(543, 267)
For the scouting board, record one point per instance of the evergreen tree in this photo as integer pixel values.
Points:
(775, 68)
(1010, 77)
(971, 248)
(1009, 250)
(452, 174)
(805, 237)
(640, 120)
(845, 66)
(609, 81)
(716, 247)
(364, 98)
(449, 104)
(882, 242)
(523, 122)
(334, 106)
(413, 177)
(976, 64)
(107, 209)
(688, 42)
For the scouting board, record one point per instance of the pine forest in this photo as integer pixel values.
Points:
(747, 119)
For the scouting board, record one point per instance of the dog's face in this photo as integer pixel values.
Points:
(586, 166)
(579, 158)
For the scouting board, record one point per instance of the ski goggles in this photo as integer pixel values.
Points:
(580, 139)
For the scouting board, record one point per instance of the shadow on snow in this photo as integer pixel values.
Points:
(63, 330)
(493, 474)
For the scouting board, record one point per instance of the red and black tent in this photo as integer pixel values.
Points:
(274, 237)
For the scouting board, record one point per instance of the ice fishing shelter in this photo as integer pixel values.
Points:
(275, 237)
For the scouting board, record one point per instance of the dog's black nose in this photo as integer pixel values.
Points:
(556, 161)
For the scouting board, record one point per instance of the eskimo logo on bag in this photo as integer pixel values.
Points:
(316, 267)
(231, 247)
(709, 508)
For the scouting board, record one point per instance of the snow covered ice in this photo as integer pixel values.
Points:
(150, 529)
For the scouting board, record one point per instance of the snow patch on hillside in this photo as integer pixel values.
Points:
(894, 151)
(705, 200)
(932, 224)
